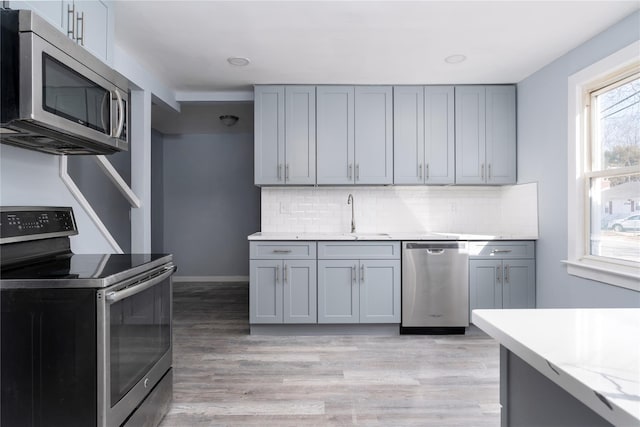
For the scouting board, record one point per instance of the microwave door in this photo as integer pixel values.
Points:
(62, 94)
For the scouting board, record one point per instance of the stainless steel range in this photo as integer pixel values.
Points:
(85, 338)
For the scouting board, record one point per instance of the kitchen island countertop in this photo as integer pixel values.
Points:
(593, 354)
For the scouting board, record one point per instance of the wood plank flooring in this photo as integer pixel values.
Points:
(226, 377)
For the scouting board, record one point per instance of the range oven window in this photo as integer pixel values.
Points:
(68, 94)
(140, 331)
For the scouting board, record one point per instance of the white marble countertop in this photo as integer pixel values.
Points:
(385, 236)
(593, 354)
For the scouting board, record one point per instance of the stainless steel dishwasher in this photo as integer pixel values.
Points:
(435, 287)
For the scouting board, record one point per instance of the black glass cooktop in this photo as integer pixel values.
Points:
(83, 270)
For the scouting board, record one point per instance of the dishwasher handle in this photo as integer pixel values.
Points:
(435, 251)
(435, 247)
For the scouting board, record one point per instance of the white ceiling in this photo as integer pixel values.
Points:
(187, 43)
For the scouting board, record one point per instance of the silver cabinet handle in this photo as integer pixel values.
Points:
(498, 274)
(482, 171)
(362, 273)
(489, 169)
(281, 251)
(350, 171)
(80, 26)
(420, 171)
(285, 273)
(500, 251)
(279, 171)
(286, 172)
(427, 171)
(353, 274)
(506, 273)
(358, 172)
(277, 273)
(71, 21)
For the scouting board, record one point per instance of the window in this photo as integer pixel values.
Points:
(613, 172)
(604, 170)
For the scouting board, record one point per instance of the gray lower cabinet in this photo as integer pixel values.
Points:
(502, 275)
(282, 283)
(359, 282)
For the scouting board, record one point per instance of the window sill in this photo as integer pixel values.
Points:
(616, 275)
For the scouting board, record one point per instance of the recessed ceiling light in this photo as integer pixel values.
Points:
(455, 59)
(238, 61)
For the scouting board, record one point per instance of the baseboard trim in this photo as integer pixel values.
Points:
(225, 279)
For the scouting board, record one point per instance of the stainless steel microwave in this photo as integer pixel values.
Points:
(55, 96)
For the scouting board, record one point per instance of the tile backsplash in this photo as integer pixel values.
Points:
(507, 210)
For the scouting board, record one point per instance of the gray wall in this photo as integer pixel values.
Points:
(29, 178)
(210, 202)
(103, 196)
(157, 192)
(542, 157)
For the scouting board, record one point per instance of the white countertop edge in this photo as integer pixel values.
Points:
(581, 391)
(288, 236)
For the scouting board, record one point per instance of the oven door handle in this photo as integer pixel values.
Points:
(116, 296)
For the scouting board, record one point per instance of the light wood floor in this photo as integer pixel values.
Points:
(223, 376)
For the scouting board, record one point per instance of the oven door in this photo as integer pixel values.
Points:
(134, 342)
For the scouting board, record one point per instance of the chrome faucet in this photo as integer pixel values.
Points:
(353, 221)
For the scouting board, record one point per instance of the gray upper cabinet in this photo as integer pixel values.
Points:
(336, 139)
(87, 22)
(485, 127)
(300, 135)
(355, 131)
(373, 135)
(501, 134)
(91, 27)
(424, 139)
(285, 135)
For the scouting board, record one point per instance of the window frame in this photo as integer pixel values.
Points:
(581, 85)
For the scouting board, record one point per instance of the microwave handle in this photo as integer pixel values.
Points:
(122, 114)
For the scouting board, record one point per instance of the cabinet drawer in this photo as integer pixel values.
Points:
(282, 250)
(524, 249)
(359, 250)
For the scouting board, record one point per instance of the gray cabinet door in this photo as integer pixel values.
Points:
(408, 135)
(300, 290)
(335, 134)
(373, 135)
(379, 291)
(265, 291)
(501, 134)
(519, 284)
(485, 284)
(338, 291)
(470, 134)
(300, 135)
(269, 135)
(94, 28)
(439, 136)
